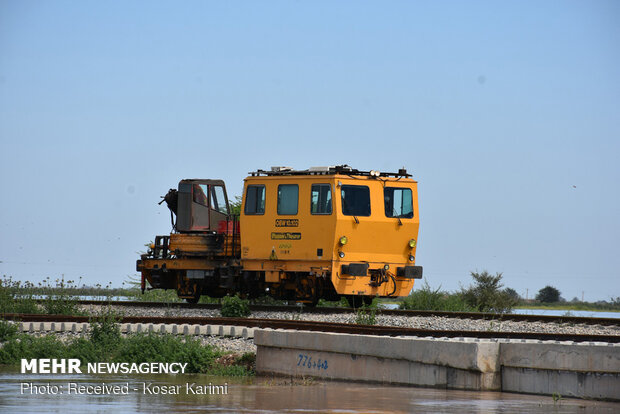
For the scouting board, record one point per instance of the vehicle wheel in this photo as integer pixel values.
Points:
(368, 300)
(194, 299)
(312, 303)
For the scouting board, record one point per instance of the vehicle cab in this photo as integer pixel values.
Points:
(357, 230)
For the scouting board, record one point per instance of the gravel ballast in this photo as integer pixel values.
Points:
(240, 345)
(419, 322)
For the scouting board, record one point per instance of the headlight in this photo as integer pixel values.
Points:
(412, 243)
(343, 240)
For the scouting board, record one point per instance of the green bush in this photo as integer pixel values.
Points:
(138, 348)
(235, 307)
(485, 295)
(156, 295)
(29, 347)
(59, 298)
(154, 347)
(367, 315)
(17, 297)
(104, 328)
(548, 294)
(209, 300)
(8, 330)
(513, 294)
(427, 298)
(235, 206)
(105, 344)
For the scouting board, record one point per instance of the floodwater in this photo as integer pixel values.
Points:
(30, 393)
(561, 312)
(550, 312)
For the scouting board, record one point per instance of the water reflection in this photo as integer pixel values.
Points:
(562, 312)
(268, 395)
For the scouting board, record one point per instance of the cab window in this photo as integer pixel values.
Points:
(355, 200)
(321, 199)
(218, 200)
(199, 194)
(255, 199)
(398, 202)
(288, 195)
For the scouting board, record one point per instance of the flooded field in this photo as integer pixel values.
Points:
(182, 393)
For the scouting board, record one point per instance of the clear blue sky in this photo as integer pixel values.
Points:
(507, 113)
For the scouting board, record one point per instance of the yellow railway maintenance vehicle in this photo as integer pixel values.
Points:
(301, 235)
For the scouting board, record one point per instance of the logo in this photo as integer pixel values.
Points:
(285, 236)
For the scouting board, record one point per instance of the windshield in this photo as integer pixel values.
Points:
(355, 200)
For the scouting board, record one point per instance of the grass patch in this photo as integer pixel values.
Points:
(138, 348)
(58, 300)
(8, 330)
(367, 315)
(342, 303)
(17, 297)
(235, 307)
(106, 344)
(54, 298)
(155, 295)
(427, 298)
(134, 292)
(484, 295)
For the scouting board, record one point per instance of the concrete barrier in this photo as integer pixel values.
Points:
(247, 333)
(414, 361)
(578, 370)
(129, 328)
(587, 371)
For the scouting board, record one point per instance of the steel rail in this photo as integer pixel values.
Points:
(395, 312)
(323, 327)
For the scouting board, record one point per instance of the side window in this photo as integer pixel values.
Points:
(321, 199)
(255, 199)
(355, 200)
(199, 194)
(288, 195)
(218, 201)
(398, 202)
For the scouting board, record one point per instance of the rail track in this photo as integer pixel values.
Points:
(324, 327)
(396, 312)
